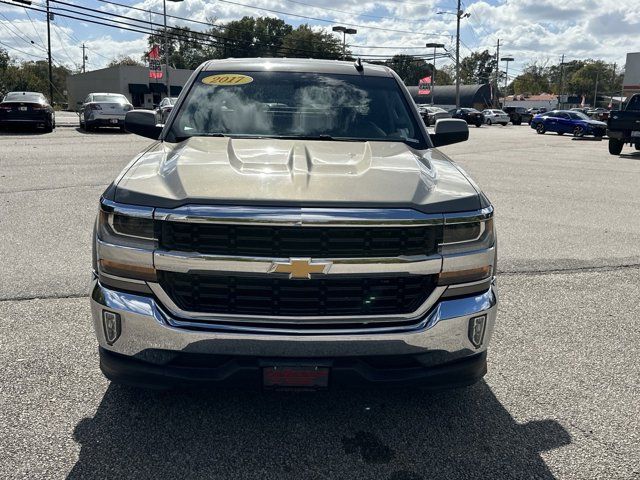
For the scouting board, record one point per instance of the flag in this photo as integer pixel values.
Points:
(155, 67)
(424, 86)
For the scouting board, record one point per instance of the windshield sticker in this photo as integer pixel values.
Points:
(227, 79)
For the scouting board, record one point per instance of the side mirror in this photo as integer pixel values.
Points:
(448, 131)
(143, 123)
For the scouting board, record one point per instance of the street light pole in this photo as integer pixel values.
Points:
(166, 46)
(345, 31)
(506, 76)
(433, 73)
(49, 54)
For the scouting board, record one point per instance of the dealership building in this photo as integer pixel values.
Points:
(131, 81)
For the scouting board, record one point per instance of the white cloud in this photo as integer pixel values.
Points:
(529, 30)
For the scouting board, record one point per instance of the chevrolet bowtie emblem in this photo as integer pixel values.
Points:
(300, 268)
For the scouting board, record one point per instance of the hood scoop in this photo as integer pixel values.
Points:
(299, 158)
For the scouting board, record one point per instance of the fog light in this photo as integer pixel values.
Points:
(111, 324)
(476, 330)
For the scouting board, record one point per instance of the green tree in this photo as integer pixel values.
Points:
(251, 37)
(187, 48)
(409, 68)
(445, 74)
(5, 59)
(124, 60)
(304, 42)
(533, 80)
(479, 67)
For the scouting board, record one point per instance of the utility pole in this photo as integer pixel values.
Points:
(458, 15)
(166, 46)
(595, 94)
(84, 57)
(497, 95)
(49, 54)
(561, 79)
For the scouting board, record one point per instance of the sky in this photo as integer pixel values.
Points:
(529, 30)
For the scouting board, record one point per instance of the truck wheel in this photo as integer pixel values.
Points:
(615, 146)
(478, 125)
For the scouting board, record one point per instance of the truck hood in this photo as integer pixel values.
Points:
(212, 170)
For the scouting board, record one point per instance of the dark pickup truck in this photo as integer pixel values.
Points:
(623, 126)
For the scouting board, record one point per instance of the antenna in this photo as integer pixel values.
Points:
(358, 65)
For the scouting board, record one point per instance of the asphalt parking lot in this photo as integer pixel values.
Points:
(561, 399)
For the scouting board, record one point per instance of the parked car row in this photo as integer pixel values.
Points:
(27, 109)
(568, 121)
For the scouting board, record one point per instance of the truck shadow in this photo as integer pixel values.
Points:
(388, 434)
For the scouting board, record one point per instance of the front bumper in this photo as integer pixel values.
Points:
(436, 351)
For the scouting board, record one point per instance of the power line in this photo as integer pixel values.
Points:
(34, 27)
(362, 15)
(174, 32)
(279, 12)
(21, 51)
(146, 30)
(9, 26)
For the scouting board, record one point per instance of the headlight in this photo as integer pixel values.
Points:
(125, 241)
(465, 237)
(467, 249)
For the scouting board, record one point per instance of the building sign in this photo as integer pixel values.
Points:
(424, 86)
(155, 67)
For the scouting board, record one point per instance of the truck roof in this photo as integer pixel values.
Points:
(296, 65)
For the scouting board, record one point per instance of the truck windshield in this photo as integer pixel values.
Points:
(297, 105)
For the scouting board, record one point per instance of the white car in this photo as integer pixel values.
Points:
(104, 110)
(492, 116)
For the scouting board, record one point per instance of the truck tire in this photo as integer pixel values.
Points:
(615, 146)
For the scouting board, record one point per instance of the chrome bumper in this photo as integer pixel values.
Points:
(145, 325)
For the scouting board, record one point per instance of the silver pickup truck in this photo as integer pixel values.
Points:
(293, 226)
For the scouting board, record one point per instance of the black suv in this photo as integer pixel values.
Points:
(518, 115)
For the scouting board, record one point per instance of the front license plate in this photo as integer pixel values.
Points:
(635, 133)
(114, 120)
(295, 377)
